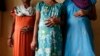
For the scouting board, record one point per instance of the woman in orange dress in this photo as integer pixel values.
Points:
(22, 30)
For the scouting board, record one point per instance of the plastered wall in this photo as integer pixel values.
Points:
(7, 21)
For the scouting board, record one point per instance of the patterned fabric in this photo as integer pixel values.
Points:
(79, 36)
(49, 38)
(21, 10)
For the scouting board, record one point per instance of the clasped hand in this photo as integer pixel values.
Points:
(52, 21)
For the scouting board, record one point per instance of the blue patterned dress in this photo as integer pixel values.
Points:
(49, 38)
(79, 37)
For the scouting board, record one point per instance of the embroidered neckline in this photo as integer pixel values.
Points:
(21, 10)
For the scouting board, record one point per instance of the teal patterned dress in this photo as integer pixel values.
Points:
(49, 38)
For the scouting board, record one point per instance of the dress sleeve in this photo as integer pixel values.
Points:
(93, 1)
(38, 6)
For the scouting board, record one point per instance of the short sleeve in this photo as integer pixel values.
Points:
(38, 6)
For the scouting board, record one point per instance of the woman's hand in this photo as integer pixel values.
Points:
(26, 29)
(81, 12)
(33, 45)
(52, 21)
(10, 42)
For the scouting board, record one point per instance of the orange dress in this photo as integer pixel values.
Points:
(22, 40)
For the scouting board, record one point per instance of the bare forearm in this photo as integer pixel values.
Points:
(35, 32)
(36, 26)
(12, 31)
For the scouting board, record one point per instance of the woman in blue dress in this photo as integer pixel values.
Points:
(47, 29)
(79, 37)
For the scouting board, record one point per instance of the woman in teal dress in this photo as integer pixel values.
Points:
(47, 29)
(79, 37)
